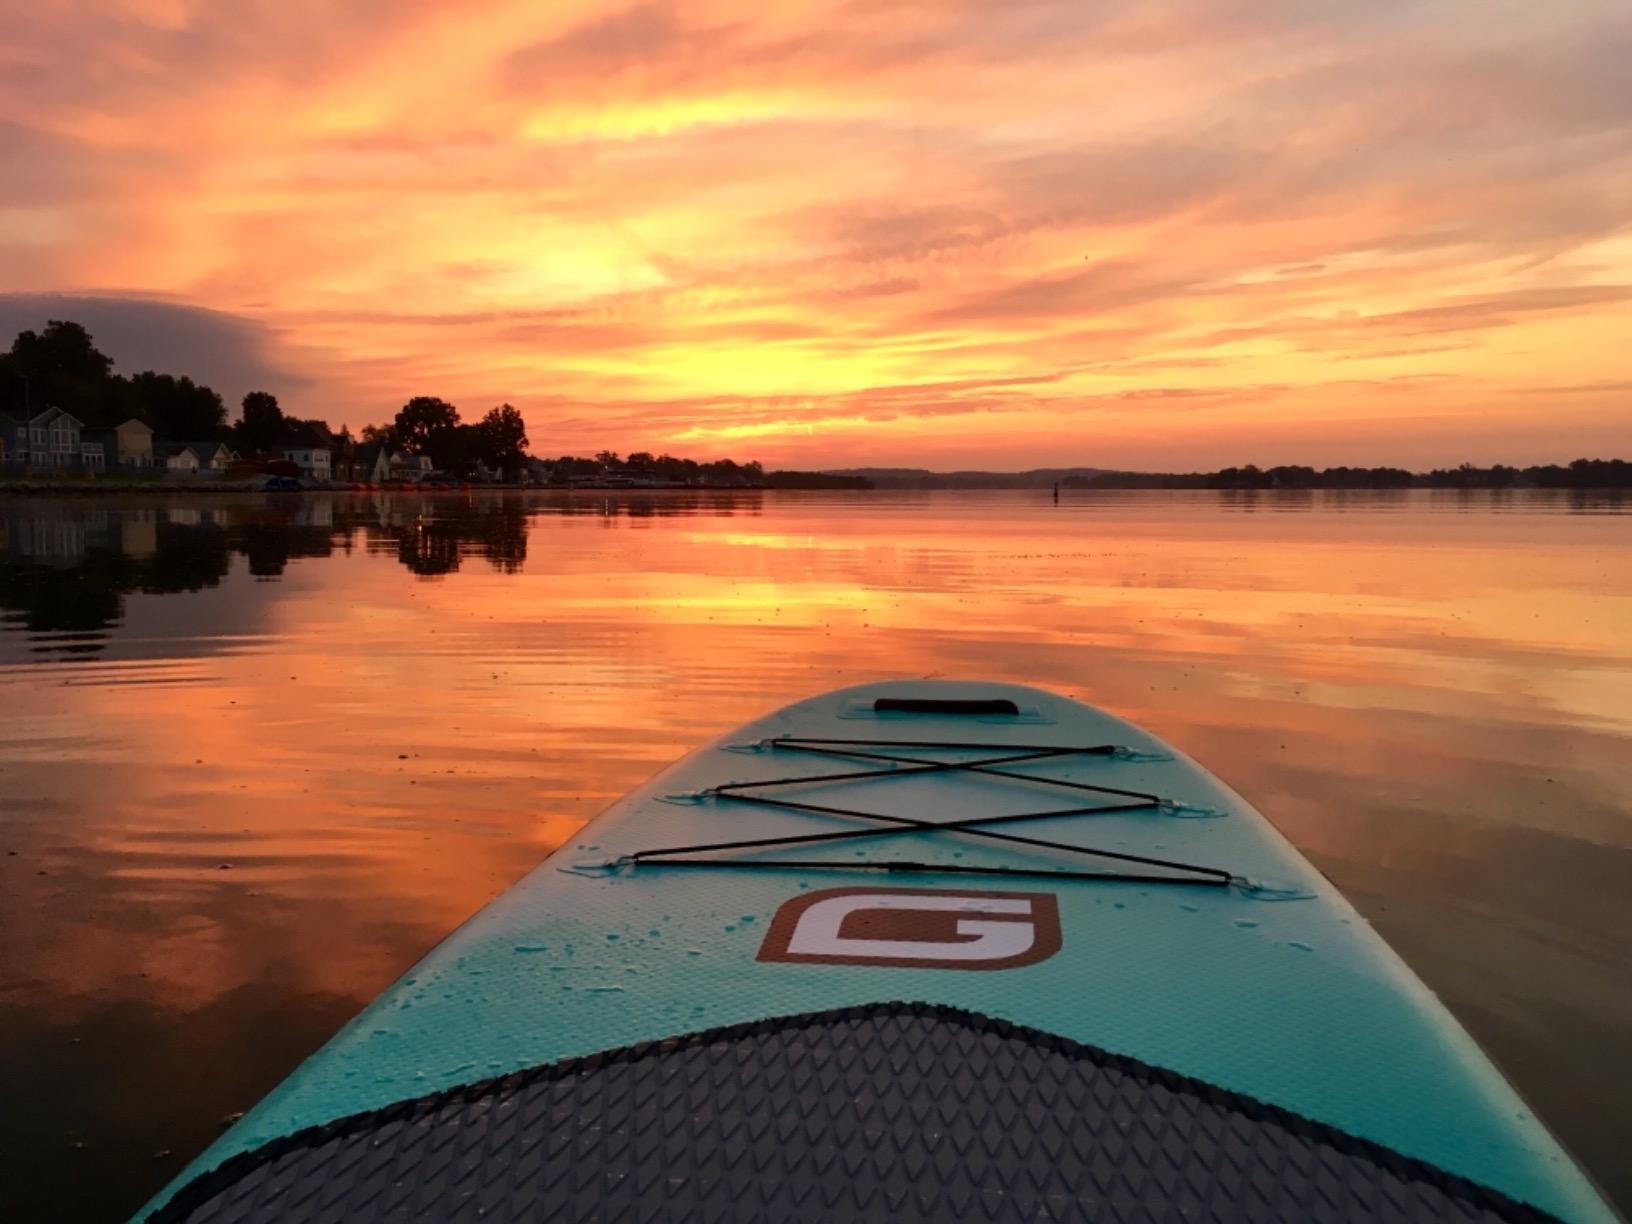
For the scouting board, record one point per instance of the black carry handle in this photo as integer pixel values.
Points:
(945, 705)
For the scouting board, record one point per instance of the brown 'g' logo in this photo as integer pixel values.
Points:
(921, 928)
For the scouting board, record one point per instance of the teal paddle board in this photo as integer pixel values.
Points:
(908, 951)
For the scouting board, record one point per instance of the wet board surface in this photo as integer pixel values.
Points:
(1113, 992)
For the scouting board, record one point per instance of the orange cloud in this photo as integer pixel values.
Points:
(1188, 232)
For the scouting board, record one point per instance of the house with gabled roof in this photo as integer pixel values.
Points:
(203, 458)
(213, 457)
(371, 463)
(49, 438)
(125, 446)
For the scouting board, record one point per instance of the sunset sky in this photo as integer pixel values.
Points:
(1171, 233)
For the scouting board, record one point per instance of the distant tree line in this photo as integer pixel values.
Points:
(815, 480)
(658, 469)
(61, 367)
(1581, 474)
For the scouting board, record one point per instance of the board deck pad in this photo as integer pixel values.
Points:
(915, 950)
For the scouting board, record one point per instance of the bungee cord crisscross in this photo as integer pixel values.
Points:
(896, 765)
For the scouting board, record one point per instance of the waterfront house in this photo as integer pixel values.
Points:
(375, 463)
(50, 438)
(61, 434)
(405, 465)
(313, 461)
(47, 439)
(127, 447)
(103, 447)
(179, 458)
(214, 458)
(133, 444)
(371, 463)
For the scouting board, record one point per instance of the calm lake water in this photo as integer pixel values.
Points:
(257, 754)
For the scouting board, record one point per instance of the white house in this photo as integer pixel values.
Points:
(405, 465)
(179, 458)
(313, 461)
(213, 457)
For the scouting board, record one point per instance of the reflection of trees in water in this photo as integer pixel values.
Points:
(270, 546)
(44, 599)
(80, 588)
(65, 568)
(494, 531)
(429, 550)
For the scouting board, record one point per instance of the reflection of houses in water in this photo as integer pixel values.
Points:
(314, 512)
(55, 535)
(66, 567)
(139, 533)
(195, 516)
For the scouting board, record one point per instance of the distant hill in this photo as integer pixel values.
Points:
(1580, 474)
(922, 478)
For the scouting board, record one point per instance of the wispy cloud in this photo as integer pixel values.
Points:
(829, 228)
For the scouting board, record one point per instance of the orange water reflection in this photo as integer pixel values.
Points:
(260, 754)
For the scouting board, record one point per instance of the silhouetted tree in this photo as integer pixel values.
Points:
(426, 424)
(178, 408)
(262, 423)
(502, 439)
(59, 366)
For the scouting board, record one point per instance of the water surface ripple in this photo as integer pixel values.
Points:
(258, 753)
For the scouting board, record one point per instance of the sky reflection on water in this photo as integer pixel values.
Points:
(257, 754)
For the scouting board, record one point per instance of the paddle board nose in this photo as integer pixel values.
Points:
(920, 950)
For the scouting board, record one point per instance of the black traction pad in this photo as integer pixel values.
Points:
(890, 1112)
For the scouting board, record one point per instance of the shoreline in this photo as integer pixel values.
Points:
(112, 488)
(107, 488)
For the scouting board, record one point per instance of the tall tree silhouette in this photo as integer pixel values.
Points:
(262, 422)
(59, 366)
(426, 424)
(502, 438)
